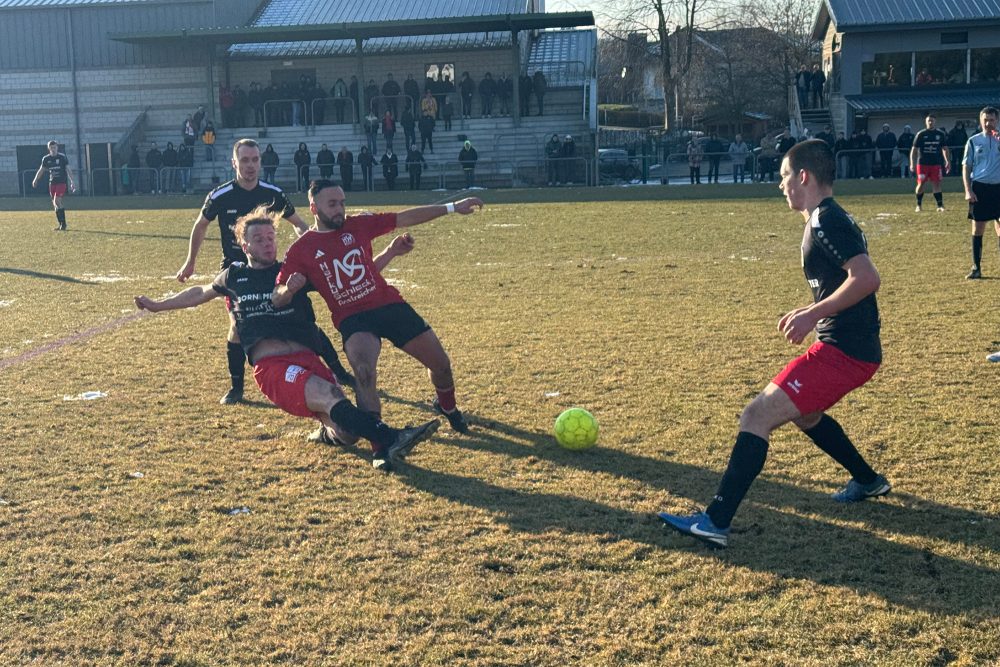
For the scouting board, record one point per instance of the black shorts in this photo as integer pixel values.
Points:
(397, 322)
(987, 204)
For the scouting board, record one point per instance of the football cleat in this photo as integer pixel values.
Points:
(232, 397)
(974, 274)
(855, 492)
(700, 527)
(918, 208)
(995, 357)
(408, 438)
(455, 418)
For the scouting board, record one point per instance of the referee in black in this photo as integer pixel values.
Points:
(227, 203)
(981, 175)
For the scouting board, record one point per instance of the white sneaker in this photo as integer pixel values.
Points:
(995, 357)
(918, 209)
(940, 209)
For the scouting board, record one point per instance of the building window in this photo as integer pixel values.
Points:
(985, 65)
(887, 70)
(438, 72)
(936, 68)
(954, 37)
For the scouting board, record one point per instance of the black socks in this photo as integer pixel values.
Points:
(362, 424)
(830, 437)
(61, 217)
(920, 199)
(237, 359)
(939, 198)
(977, 251)
(745, 463)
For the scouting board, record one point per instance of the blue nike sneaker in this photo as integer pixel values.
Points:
(855, 492)
(698, 526)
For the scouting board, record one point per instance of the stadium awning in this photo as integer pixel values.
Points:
(974, 98)
(353, 31)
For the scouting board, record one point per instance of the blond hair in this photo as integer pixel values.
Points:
(259, 216)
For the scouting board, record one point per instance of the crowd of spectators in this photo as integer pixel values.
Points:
(307, 102)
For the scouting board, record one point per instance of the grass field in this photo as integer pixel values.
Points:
(118, 545)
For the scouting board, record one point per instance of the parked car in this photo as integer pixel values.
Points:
(617, 163)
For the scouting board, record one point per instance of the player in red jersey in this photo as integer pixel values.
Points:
(335, 259)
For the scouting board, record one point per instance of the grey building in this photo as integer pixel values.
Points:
(893, 61)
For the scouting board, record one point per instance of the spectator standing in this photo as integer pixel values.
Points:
(255, 98)
(553, 151)
(817, 80)
(524, 90)
(468, 157)
(339, 94)
(827, 136)
(409, 123)
(784, 142)
(714, 149)
(540, 85)
(170, 167)
(738, 153)
(226, 105)
(318, 104)
(803, 79)
(840, 149)
(445, 88)
(904, 144)
(325, 161)
(188, 133)
(957, 138)
(240, 105)
(415, 165)
(391, 92)
(694, 154)
(154, 161)
(269, 162)
(345, 160)
(487, 91)
(388, 127)
(302, 160)
(412, 91)
(568, 162)
(198, 118)
(390, 167)
(426, 127)
(272, 111)
(467, 88)
(353, 91)
(867, 155)
(886, 142)
(371, 131)
(367, 161)
(371, 97)
(185, 160)
(505, 89)
(428, 105)
(447, 113)
(208, 138)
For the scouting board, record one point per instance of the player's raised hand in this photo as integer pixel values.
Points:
(185, 272)
(295, 282)
(402, 244)
(468, 205)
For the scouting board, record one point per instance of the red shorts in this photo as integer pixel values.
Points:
(928, 172)
(282, 378)
(57, 189)
(821, 377)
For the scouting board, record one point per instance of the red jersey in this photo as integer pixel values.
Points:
(339, 265)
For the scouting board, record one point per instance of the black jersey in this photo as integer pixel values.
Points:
(929, 144)
(249, 291)
(56, 166)
(830, 239)
(229, 202)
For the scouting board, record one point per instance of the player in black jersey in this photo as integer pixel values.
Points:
(846, 355)
(930, 160)
(281, 345)
(60, 177)
(227, 203)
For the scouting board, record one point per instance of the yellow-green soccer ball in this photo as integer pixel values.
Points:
(576, 429)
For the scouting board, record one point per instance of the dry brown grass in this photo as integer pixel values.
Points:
(500, 548)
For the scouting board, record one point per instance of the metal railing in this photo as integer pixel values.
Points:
(276, 109)
(555, 171)
(347, 101)
(133, 136)
(559, 73)
(80, 180)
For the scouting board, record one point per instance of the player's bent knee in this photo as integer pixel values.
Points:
(806, 422)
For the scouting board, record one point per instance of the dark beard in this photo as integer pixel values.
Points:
(327, 223)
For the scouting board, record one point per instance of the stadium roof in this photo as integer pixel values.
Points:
(566, 57)
(865, 15)
(34, 4)
(359, 30)
(311, 12)
(925, 101)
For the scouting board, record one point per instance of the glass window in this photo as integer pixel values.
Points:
(437, 72)
(888, 69)
(985, 65)
(935, 68)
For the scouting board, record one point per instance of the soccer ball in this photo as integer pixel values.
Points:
(576, 429)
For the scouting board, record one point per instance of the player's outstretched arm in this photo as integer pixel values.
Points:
(189, 298)
(194, 245)
(38, 176)
(400, 245)
(421, 214)
(283, 293)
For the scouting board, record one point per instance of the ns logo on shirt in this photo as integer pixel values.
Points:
(349, 269)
